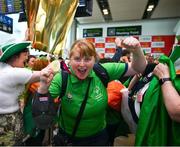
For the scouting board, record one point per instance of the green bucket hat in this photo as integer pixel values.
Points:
(11, 49)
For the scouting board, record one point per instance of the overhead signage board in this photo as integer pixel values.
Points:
(124, 31)
(93, 32)
(6, 24)
(11, 6)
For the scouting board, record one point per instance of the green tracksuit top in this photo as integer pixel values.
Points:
(94, 116)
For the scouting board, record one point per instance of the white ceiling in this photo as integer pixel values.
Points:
(125, 10)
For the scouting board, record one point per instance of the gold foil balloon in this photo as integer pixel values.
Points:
(31, 7)
(49, 22)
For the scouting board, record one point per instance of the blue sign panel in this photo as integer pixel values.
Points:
(6, 24)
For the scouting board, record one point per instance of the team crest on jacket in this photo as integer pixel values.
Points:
(98, 93)
(69, 96)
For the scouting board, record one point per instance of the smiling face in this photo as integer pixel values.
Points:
(31, 62)
(20, 60)
(82, 58)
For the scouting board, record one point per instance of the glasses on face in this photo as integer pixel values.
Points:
(79, 59)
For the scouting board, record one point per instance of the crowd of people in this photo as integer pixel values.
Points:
(89, 112)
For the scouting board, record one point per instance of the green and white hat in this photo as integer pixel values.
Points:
(9, 50)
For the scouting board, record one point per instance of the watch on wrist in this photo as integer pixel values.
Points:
(163, 80)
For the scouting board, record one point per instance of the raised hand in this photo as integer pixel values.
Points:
(45, 79)
(131, 44)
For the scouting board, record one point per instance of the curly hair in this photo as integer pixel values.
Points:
(40, 63)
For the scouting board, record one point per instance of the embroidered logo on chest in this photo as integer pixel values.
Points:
(98, 93)
(69, 96)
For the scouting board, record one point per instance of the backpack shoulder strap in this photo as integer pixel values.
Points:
(64, 83)
(149, 68)
(146, 77)
(101, 73)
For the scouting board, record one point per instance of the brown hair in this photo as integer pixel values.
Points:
(40, 63)
(30, 56)
(85, 48)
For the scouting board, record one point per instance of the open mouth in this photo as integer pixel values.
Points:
(82, 70)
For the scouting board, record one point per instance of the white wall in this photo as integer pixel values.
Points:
(19, 29)
(149, 27)
(70, 39)
(177, 28)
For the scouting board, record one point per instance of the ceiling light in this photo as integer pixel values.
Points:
(105, 11)
(149, 9)
(150, 6)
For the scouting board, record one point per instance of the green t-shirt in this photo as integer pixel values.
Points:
(94, 115)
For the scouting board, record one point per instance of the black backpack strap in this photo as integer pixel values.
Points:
(81, 110)
(64, 76)
(101, 73)
(149, 68)
(64, 83)
(146, 77)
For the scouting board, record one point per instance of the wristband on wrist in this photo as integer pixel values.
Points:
(163, 80)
